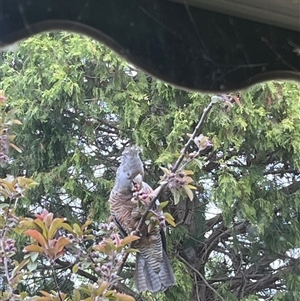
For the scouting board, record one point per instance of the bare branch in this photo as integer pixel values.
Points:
(200, 275)
(219, 233)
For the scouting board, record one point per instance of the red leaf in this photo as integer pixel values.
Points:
(37, 236)
(61, 243)
(117, 240)
(42, 215)
(48, 219)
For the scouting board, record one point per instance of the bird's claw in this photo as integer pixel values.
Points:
(135, 233)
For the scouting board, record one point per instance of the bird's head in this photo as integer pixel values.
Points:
(131, 163)
(131, 166)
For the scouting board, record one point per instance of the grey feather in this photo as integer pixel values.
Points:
(153, 271)
(146, 279)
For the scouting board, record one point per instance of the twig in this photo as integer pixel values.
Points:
(196, 284)
(122, 264)
(121, 287)
(56, 283)
(158, 191)
(68, 265)
(5, 263)
(200, 275)
(155, 194)
(5, 258)
(193, 136)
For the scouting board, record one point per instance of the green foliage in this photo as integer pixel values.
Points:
(184, 283)
(80, 105)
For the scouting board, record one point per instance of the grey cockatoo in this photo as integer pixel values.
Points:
(153, 271)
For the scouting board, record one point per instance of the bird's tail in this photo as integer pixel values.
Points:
(146, 279)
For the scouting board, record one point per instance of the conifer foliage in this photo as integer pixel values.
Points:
(227, 168)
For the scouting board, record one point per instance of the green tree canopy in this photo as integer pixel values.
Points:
(81, 105)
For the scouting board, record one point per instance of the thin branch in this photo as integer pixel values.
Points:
(200, 275)
(226, 279)
(56, 284)
(3, 236)
(119, 286)
(282, 172)
(110, 123)
(68, 265)
(120, 269)
(158, 191)
(193, 136)
(197, 293)
(219, 233)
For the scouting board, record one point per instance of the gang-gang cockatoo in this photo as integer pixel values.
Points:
(153, 271)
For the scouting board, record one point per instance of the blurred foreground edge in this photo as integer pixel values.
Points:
(210, 47)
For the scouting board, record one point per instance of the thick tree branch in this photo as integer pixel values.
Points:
(214, 221)
(218, 234)
(265, 277)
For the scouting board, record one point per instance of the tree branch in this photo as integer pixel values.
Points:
(193, 136)
(68, 265)
(118, 286)
(158, 191)
(214, 220)
(219, 233)
(200, 275)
